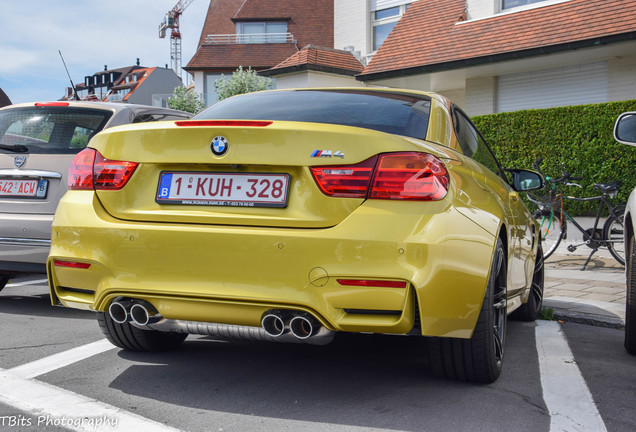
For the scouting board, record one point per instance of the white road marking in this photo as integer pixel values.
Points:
(59, 360)
(565, 391)
(53, 406)
(32, 282)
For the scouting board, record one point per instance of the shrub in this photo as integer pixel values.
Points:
(577, 139)
(241, 81)
(185, 99)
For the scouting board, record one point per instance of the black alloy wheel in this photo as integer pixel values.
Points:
(531, 310)
(480, 358)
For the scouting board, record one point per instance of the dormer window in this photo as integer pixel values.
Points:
(261, 32)
(509, 4)
(383, 21)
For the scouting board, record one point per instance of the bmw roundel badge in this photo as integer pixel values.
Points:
(219, 145)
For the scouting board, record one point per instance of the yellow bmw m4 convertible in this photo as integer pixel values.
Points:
(295, 215)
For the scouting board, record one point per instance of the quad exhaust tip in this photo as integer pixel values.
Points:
(118, 311)
(281, 325)
(139, 312)
(274, 324)
(299, 324)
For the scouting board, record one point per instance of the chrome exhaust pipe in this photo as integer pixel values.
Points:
(143, 313)
(118, 311)
(274, 324)
(303, 326)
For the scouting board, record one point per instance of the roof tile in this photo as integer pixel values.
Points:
(321, 58)
(430, 32)
(229, 57)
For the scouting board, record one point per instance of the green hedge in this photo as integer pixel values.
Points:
(577, 139)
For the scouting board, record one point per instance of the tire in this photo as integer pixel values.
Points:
(4, 279)
(613, 230)
(132, 338)
(630, 310)
(531, 310)
(478, 359)
(552, 231)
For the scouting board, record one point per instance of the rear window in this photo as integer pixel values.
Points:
(50, 130)
(395, 113)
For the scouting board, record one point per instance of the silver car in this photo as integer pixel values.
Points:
(37, 144)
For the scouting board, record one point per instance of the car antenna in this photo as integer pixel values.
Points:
(69, 77)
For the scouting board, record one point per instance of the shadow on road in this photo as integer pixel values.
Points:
(21, 301)
(360, 380)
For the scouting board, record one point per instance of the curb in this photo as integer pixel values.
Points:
(582, 318)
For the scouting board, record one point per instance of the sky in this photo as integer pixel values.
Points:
(90, 34)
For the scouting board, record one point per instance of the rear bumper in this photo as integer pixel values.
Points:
(234, 275)
(23, 255)
(24, 242)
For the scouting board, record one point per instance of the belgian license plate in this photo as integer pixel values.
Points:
(223, 189)
(23, 188)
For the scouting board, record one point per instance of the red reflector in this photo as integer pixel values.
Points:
(91, 171)
(372, 283)
(71, 264)
(244, 123)
(350, 181)
(45, 104)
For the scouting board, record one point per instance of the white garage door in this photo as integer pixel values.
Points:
(572, 85)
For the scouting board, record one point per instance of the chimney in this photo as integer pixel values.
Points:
(137, 61)
(105, 67)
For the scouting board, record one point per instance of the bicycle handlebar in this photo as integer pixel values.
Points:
(565, 176)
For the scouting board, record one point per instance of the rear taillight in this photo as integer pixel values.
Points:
(91, 171)
(350, 181)
(409, 176)
(394, 176)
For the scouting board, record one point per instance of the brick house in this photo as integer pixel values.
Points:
(256, 33)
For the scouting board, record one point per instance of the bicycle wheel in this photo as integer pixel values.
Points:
(552, 231)
(613, 232)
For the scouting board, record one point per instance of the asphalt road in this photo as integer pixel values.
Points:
(357, 383)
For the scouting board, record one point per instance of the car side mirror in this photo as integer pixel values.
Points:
(625, 128)
(525, 180)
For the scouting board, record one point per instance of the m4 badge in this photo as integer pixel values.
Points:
(327, 154)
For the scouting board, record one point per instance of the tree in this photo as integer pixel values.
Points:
(185, 99)
(241, 81)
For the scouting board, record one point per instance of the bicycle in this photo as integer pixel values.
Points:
(553, 218)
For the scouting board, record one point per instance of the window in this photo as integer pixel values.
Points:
(383, 21)
(51, 130)
(262, 32)
(509, 4)
(472, 143)
(395, 113)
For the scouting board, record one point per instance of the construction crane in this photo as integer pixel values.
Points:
(171, 21)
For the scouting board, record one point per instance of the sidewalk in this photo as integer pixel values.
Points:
(595, 296)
